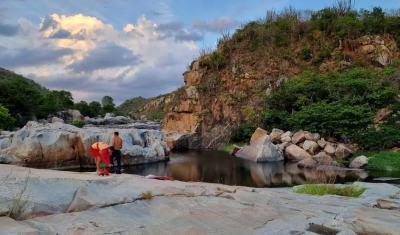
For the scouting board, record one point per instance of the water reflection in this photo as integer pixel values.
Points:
(220, 167)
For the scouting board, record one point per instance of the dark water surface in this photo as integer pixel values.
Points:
(220, 167)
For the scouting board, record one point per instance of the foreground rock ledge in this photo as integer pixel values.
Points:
(83, 203)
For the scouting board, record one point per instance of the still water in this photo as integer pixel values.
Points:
(220, 167)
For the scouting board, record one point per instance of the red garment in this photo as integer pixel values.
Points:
(105, 155)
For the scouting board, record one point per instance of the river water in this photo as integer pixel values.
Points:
(220, 167)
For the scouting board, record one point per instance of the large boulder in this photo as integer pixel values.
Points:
(294, 152)
(359, 162)
(298, 137)
(329, 149)
(258, 133)
(59, 145)
(310, 146)
(342, 151)
(262, 150)
(323, 158)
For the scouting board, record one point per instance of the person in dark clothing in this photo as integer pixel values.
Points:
(117, 144)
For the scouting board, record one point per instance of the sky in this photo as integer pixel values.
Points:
(123, 48)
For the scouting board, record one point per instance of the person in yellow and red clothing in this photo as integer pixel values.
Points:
(101, 152)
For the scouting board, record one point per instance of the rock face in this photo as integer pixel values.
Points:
(262, 150)
(76, 203)
(60, 145)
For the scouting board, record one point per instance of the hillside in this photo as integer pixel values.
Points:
(146, 109)
(7, 74)
(229, 87)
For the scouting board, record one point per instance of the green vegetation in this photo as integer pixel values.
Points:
(79, 124)
(330, 189)
(6, 121)
(243, 133)
(156, 116)
(384, 161)
(336, 103)
(23, 99)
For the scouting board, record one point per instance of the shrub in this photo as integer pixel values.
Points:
(79, 124)
(156, 116)
(305, 53)
(6, 121)
(147, 195)
(336, 104)
(243, 133)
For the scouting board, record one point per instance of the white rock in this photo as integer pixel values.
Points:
(359, 162)
(262, 150)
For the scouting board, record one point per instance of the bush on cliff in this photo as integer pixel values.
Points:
(336, 104)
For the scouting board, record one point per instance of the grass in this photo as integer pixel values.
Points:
(384, 161)
(229, 147)
(147, 195)
(20, 200)
(330, 189)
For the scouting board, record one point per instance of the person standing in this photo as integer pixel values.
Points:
(101, 152)
(117, 144)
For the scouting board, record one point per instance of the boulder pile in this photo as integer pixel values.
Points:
(308, 149)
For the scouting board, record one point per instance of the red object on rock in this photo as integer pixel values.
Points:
(162, 178)
(104, 172)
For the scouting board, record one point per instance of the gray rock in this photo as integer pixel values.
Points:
(5, 143)
(83, 203)
(359, 162)
(56, 119)
(262, 150)
(109, 115)
(316, 137)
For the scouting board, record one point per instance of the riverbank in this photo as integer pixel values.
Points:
(62, 202)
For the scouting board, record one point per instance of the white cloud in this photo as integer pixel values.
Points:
(93, 59)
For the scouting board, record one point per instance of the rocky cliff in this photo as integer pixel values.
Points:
(227, 88)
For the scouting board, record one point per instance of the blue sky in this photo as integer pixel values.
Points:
(123, 48)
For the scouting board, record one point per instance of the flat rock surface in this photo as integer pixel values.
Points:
(83, 203)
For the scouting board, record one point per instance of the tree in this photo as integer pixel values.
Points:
(95, 107)
(20, 97)
(55, 101)
(108, 104)
(84, 108)
(6, 121)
